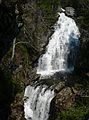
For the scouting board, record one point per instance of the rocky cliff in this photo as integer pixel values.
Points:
(25, 29)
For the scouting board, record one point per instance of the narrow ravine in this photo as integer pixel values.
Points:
(60, 55)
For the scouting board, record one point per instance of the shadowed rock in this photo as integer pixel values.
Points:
(70, 11)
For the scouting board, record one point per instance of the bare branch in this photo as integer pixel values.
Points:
(22, 43)
(14, 46)
(13, 49)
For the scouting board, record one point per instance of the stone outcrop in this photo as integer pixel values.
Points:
(70, 11)
(31, 22)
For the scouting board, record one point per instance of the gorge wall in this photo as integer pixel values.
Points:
(31, 22)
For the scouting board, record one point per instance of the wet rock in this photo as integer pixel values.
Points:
(36, 31)
(64, 98)
(70, 11)
(59, 87)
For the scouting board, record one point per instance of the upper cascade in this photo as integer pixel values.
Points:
(62, 48)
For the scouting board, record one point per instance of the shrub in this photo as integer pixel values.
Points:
(74, 113)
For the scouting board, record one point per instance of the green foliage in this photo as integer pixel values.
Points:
(49, 8)
(48, 5)
(75, 113)
(22, 50)
(14, 82)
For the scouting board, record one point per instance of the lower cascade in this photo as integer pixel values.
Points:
(37, 103)
(60, 55)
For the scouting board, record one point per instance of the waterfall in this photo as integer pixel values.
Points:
(62, 48)
(37, 103)
(60, 55)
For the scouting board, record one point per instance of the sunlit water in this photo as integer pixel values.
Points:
(37, 104)
(62, 48)
(60, 55)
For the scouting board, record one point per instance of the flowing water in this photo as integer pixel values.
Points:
(38, 101)
(59, 56)
(62, 48)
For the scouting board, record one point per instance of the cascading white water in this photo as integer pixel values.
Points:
(60, 56)
(62, 48)
(37, 105)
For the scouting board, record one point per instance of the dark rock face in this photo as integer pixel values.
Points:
(35, 16)
(8, 29)
(4, 97)
(17, 109)
(31, 21)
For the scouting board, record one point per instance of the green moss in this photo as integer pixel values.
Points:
(49, 8)
(15, 81)
(22, 50)
(48, 4)
(74, 113)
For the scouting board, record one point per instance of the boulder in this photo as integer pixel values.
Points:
(69, 11)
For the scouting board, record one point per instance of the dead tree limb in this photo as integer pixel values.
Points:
(13, 49)
(14, 46)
